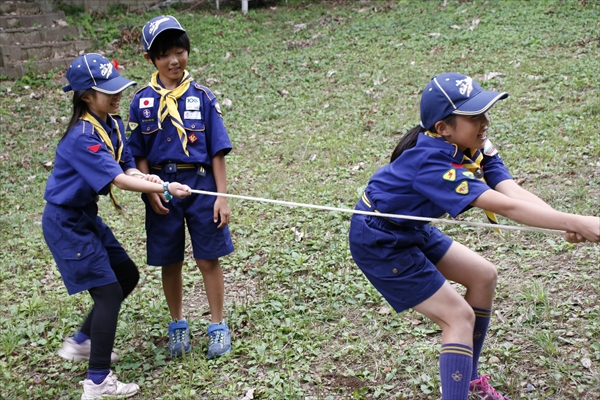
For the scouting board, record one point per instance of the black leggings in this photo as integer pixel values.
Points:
(101, 323)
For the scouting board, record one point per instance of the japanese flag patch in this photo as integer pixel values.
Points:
(146, 102)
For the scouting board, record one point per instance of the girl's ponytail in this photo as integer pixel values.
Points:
(407, 141)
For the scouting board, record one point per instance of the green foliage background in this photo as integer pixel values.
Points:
(320, 94)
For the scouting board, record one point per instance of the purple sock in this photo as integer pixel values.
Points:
(456, 362)
(482, 321)
(80, 337)
(98, 376)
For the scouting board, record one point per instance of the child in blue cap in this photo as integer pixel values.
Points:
(176, 131)
(447, 164)
(91, 157)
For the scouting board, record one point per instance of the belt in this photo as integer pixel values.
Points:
(367, 202)
(174, 167)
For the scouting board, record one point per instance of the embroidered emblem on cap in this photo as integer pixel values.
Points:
(465, 86)
(94, 148)
(463, 188)
(154, 25)
(106, 69)
(450, 175)
(146, 102)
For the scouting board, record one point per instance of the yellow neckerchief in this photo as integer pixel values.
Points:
(168, 104)
(106, 139)
(473, 166)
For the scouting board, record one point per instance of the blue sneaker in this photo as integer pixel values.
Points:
(219, 340)
(179, 338)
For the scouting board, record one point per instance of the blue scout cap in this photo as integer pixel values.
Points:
(92, 71)
(454, 93)
(156, 26)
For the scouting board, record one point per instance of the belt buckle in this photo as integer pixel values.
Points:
(171, 167)
(201, 171)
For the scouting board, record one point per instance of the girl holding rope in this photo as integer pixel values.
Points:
(91, 157)
(447, 165)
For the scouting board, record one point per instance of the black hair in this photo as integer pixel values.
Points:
(409, 139)
(80, 107)
(168, 40)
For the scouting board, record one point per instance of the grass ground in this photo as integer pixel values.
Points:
(319, 95)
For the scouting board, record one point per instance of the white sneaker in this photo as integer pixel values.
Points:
(110, 388)
(73, 351)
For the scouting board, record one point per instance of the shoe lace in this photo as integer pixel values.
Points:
(178, 335)
(485, 388)
(217, 337)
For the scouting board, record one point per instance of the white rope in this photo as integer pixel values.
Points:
(376, 214)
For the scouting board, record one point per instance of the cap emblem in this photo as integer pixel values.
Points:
(465, 86)
(154, 25)
(106, 70)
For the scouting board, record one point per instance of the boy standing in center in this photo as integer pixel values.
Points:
(176, 131)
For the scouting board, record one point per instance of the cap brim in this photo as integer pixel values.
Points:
(480, 103)
(114, 86)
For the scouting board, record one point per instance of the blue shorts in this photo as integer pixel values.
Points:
(398, 260)
(83, 247)
(166, 233)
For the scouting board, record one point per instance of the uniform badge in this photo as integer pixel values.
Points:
(450, 175)
(463, 188)
(468, 174)
(192, 103)
(146, 102)
(192, 115)
(133, 125)
(192, 138)
(146, 113)
(489, 149)
(218, 108)
(94, 148)
(457, 165)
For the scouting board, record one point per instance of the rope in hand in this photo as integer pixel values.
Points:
(376, 214)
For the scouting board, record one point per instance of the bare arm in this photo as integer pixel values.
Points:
(530, 213)
(153, 199)
(221, 208)
(511, 189)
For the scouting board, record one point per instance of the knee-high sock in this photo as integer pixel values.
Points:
(482, 321)
(456, 362)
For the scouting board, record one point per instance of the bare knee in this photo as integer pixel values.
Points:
(208, 266)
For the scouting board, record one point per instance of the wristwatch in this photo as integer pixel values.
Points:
(168, 195)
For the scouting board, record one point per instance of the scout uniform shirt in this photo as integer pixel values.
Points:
(201, 117)
(84, 167)
(430, 179)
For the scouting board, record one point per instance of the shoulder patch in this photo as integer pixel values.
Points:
(462, 188)
(489, 149)
(450, 175)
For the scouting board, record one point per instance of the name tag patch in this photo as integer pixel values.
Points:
(192, 115)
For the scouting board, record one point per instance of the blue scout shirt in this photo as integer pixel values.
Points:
(201, 116)
(84, 167)
(430, 180)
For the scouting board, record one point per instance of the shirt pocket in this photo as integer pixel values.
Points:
(195, 131)
(149, 127)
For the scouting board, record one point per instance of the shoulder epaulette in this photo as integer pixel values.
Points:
(206, 90)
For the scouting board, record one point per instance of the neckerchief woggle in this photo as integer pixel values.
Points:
(106, 139)
(474, 166)
(168, 104)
